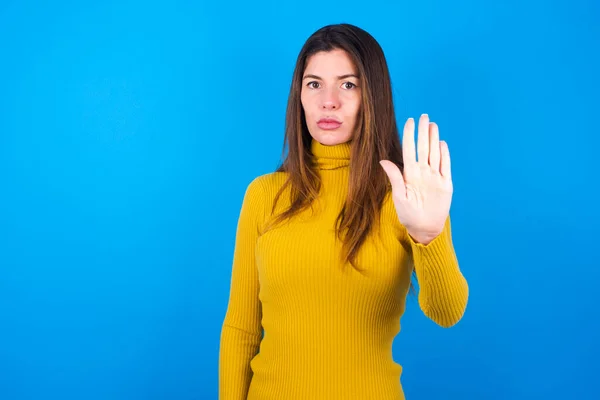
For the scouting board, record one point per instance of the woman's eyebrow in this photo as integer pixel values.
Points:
(339, 77)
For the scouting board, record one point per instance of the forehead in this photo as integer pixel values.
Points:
(335, 62)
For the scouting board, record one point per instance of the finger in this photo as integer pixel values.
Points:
(408, 144)
(423, 140)
(434, 147)
(445, 167)
(395, 176)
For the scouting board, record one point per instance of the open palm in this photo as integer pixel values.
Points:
(422, 196)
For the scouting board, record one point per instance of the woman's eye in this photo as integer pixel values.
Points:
(345, 85)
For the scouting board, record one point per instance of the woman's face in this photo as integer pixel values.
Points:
(331, 96)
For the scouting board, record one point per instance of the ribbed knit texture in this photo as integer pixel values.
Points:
(328, 331)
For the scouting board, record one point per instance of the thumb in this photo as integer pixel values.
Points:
(395, 176)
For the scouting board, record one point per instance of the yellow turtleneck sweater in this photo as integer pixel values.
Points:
(299, 327)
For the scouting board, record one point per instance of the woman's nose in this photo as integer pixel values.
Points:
(330, 100)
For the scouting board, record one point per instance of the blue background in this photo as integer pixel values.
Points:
(129, 131)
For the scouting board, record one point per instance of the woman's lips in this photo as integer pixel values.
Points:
(328, 124)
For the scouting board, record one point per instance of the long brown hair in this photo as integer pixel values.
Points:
(375, 138)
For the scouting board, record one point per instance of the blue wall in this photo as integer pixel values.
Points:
(129, 131)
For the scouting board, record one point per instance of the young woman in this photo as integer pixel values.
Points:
(327, 244)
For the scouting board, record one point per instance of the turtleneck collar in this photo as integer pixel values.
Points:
(331, 157)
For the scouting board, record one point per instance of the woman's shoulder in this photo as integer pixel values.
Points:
(269, 182)
(264, 189)
(259, 192)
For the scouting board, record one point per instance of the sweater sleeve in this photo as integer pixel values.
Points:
(241, 332)
(443, 290)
